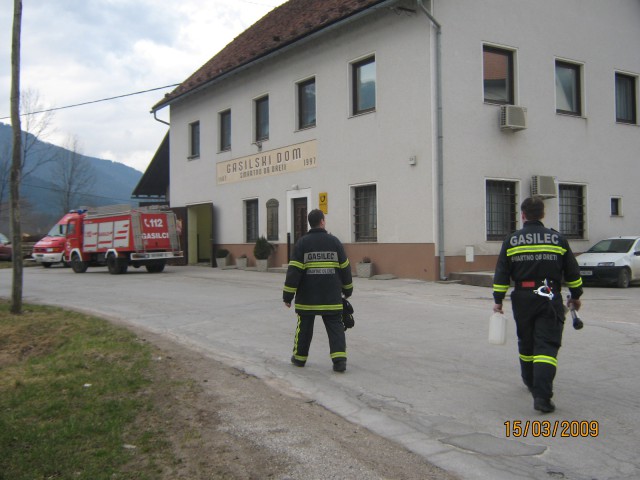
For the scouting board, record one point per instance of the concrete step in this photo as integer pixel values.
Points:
(480, 279)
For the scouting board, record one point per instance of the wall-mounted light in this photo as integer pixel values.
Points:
(413, 160)
(259, 145)
(295, 187)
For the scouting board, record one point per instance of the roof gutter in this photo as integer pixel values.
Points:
(273, 54)
(440, 138)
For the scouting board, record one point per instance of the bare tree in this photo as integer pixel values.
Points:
(73, 175)
(36, 127)
(16, 164)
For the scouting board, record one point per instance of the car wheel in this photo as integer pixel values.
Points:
(46, 265)
(624, 278)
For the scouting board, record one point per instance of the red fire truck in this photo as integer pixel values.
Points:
(49, 250)
(120, 235)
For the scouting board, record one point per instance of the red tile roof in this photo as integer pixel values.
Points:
(284, 25)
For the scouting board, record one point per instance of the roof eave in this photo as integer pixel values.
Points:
(272, 53)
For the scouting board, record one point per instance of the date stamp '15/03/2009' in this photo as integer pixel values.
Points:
(552, 428)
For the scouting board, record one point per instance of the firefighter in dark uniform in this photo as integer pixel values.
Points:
(319, 275)
(536, 259)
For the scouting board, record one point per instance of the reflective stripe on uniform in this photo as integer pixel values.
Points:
(500, 288)
(526, 358)
(536, 249)
(336, 307)
(339, 355)
(575, 284)
(545, 359)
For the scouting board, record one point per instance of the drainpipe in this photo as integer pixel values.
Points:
(158, 120)
(439, 145)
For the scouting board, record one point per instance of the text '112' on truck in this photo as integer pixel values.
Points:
(120, 236)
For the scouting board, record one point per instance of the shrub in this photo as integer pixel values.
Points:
(262, 249)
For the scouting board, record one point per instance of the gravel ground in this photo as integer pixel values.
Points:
(225, 424)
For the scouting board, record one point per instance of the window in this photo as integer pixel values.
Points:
(616, 207)
(272, 219)
(502, 209)
(364, 86)
(365, 216)
(225, 130)
(307, 104)
(262, 118)
(626, 99)
(568, 91)
(194, 140)
(572, 211)
(251, 220)
(498, 75)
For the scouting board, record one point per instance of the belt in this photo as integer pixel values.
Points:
(533, 284)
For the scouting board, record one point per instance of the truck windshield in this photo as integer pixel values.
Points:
(617, 245)
(58, 230)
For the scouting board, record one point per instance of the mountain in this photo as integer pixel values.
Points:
(113, 183)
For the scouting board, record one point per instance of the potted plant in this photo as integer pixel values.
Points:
(241, 262)
(222, 257)
(262, 250)
(364, 268)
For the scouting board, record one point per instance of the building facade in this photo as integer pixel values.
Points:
(417, 126)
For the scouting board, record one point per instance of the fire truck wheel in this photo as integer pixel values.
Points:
(78, 265)
(155, 267)
(116, 266)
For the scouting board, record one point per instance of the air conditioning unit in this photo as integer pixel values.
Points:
(513, 117)
(544, 186)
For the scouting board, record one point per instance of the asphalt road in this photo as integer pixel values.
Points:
(420, 371)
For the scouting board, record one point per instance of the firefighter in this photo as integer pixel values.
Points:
(536, 259)
(318, 276)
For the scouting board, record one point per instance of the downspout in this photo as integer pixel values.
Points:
(439, 144)
(158, 120)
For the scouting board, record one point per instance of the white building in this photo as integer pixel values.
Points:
(387, 114)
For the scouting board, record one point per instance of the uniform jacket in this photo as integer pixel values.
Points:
(318, 274)
(536, 253)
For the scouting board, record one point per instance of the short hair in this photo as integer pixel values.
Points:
(533, 208)
(315, 217)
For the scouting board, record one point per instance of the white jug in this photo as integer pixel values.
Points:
(498, 329)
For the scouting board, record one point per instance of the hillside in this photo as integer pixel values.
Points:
(114, 183)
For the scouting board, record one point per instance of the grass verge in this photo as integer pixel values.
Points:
(74, 391)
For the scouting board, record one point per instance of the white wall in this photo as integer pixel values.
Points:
(592, 150)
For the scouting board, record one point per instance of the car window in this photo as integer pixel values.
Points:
(3, 238)
(613, 245)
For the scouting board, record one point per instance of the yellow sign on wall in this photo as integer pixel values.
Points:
(323, 202)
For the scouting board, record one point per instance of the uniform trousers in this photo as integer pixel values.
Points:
(539, 324)
(335, 331)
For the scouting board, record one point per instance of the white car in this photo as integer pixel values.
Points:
(614, 260)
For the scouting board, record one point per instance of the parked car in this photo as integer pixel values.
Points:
(5, 248)
(614, 260)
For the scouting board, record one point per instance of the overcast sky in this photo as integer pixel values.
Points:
(76, 51)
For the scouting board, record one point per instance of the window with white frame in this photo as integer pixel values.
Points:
(307, 104)
(616, 206)
(501, 208)
(272, 219)
(225, 130)
(194, 139)
(251, 220)
(626, 98)
(572, 208)
(363, 90)
(262, 118)
(568, 88)
(365, 214)
(498, 75)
